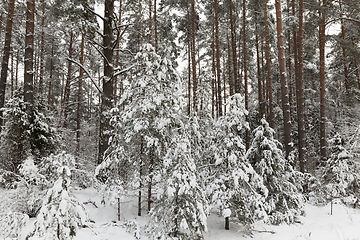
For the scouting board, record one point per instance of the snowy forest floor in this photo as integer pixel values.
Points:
(317, 224)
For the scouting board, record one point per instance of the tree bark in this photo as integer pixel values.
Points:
(117, 57)
(283, 79)
(346, 72)
(322, 84)
(261, 111)
(29, 57)
(155, 27)
(268, 67)
(78, 112)
(247, 134)
(217, 44)
(66, 97)
(6, 55)
(42, 49)
(108, 81)
(233, 48)
(300, 90)
(193, 55)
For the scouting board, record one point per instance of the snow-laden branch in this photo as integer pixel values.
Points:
(343, 18)
(87, 72)
(124, 70)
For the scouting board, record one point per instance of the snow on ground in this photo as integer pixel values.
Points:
(317, 224)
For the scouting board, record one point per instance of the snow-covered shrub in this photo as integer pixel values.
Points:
(284, 200)
(339, 174)
(12, 224)
(181, 210)
(19, 138)
(232, 181)
(61, 213)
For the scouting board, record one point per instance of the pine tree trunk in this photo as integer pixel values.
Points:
(268, 66)
(217, 46)
(155, 27)
(29, 57)
(233, 48)
(117, 58)
(357, 72)
(261, 110)
(189, 73)
(213, 71)
(247, 133)
(66, 97)
(193, 55)
(322, 85)
(283, 79)
(346, 72)
(150, 21)
(300, 90)
(42, 49)
(108, 85)
(79, 100)
(50, 102)
(12, 73)
(6, 55)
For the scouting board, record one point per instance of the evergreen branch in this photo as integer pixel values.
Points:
(87, 72)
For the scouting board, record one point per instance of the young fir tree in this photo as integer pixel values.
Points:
(18, 140)
(181, 210)
(284, 201)
(234, 183)
(61, 213)
(338, 173)
(142, 122)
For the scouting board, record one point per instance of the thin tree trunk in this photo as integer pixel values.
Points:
(17, 69)
(301, 96)
(247, 133)
(193, 55)
(12, 73)
(189, 73)
(346, 72)
(217, 46)
(6, 55)
(42, 49)
(150, 21)
(155, 28)
(66, 97)
(78, 112)
(322, 85)
(108, 80)
(117, 56)
(231, 76)
(261, 110)
(283, 79)
(268, 65)
(233, 48)
(213, 72)
(29, 57)
(50, 102)
(357, 72)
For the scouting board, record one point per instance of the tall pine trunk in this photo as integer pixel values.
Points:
(283, 79)
(78, 112)
(236, 81)
(108, 85)
(346, 72)
(268, 67)
(217, 46)
(247, 134)
(322, 83)
(193, 55)
(29, 57)
(42, 49)
(6, 55)
(300, 90)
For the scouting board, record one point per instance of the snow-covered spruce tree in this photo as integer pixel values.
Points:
(232, 181)
(338, 175)
(61, 213)
(19, 139)
(284, 201)
(181, 210)
(147, 110)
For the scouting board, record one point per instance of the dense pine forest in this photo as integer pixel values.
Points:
(248, 109)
